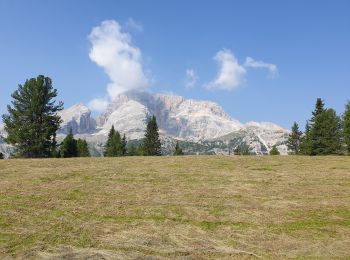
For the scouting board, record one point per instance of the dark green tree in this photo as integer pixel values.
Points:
(305, 145)
(83, 148)
(32, 119)
(132, 150)
(325, 133)
(319, 109)
(1, 156)
(69, 146)
(109, 144)
(274, 151)
(242, 149)
(141, 149)
(346, 127)
(178, 150)
(294, 139)
(151, 144)
(115, 146)
(123, 145)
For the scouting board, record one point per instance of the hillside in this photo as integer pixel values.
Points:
(192, 207)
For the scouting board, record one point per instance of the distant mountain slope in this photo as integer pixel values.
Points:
(201, 126)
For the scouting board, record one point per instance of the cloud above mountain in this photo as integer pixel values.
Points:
(251, 63)
(232, 74)
(113, 50)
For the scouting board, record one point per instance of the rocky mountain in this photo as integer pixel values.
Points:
(202, 127)
(78, 118)
(4, 148)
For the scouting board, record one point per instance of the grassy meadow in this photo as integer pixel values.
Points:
(191, 207)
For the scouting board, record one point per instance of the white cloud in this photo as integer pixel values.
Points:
(113, 50)
(131, 23)
(231, 73)
(191, 78)
(98, 104)
(251, 63)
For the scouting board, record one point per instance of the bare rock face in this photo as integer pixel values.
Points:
(177, 117)
(5, 148)
(78, 118)
(203, 126)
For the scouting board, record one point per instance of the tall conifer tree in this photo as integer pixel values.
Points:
(305, 145)
(326, 133)
(294, 139)
(32, 119)
(151, 144)
(83, 149)
(346, 127)
(69, 146)
(178, 150)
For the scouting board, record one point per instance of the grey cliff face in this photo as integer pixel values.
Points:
(203, 127)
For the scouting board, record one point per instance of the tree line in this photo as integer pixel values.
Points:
(325, 133)
(32, 122)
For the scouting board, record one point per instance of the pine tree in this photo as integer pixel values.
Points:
(274, 151)
(325, 134)
(178, 150)
(305, 145)
(151, 144)
(346, 127)
(32, 119)
(115, 146)
(132, 150)
(123, 146)
(319, 108)
(294, 139)
(1, 156)
(242, 149)
(69, 146)
(141, 149)
(82, 148)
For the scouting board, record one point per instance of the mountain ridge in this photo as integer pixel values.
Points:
(196, 123)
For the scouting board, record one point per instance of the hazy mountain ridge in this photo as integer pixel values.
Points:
(202, 127)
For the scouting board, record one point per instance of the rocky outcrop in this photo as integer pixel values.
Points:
(78, 118)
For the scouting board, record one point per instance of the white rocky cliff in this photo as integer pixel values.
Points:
(187, 120)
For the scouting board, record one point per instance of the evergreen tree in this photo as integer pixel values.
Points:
(123, 146)
(305, 145)
(108, 147)
(115, 146)
(325, 133)
(319, 108)
(151, 144)
(83, 149)
(141, 149)
(32, 119)
(132, 150)
(242, 149)
(178, 150)
(346, 127)
(274, 151)
(1, 156)
(69, 146)
(294, 139)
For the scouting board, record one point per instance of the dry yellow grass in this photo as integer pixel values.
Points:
(194, 207)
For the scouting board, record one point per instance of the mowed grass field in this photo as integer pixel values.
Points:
(191, 207)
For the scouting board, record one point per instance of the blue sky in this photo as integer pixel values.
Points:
(298, 51)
